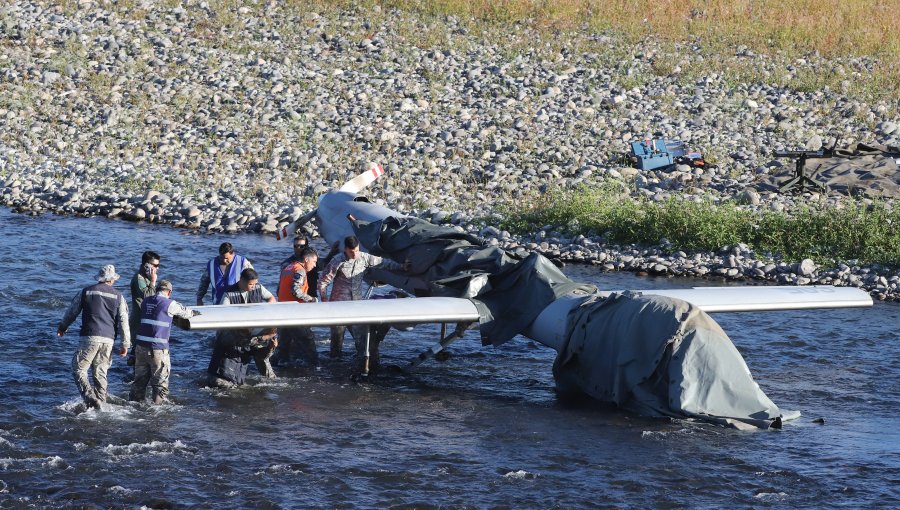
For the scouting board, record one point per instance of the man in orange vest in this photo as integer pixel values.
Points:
(293, 285)
(300, 243)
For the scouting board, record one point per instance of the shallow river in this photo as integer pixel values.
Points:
(482, 429)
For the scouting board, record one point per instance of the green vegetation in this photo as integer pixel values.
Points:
(869, 233)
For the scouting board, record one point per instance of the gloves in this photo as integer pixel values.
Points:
(265, 339)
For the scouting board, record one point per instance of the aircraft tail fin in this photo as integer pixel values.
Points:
(358, 183)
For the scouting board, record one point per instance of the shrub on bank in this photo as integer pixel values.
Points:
(869, 233)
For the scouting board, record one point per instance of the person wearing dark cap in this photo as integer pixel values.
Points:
(152, 363)
(143, 285)
(301, 243)
(104, 314)
(222, 272)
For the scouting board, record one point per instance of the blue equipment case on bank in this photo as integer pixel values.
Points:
(653, 154)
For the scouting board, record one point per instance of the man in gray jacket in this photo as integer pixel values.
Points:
(104, 314)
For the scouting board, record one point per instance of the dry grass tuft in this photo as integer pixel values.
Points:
(793, 28)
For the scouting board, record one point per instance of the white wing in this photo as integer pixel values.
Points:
(549, 328)
(335, 313)
(451, 310)
(763, 298)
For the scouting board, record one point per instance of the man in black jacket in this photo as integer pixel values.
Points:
(235, 348)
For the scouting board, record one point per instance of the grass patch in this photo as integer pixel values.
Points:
(830, 27)
(713, 28)
(869, 233)
(793, 29)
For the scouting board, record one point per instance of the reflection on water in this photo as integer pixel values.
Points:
(482, 429)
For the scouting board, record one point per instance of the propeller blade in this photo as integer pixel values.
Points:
(289, 229)
(358, 183)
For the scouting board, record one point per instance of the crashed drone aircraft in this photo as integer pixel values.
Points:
(657, 353)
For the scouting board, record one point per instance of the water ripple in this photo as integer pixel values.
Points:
(481, 429)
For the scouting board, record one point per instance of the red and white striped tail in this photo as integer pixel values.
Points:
(358, 183)
(281, 234)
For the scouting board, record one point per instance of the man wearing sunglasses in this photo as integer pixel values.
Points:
(143, 285)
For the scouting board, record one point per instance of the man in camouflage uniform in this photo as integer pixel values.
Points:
(345, 273)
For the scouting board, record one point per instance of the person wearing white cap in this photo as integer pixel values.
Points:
(104, 314)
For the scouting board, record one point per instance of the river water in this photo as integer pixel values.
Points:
(482, 429)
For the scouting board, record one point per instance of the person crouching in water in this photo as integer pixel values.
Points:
(152, 364)
(104, 314)
(234, 348)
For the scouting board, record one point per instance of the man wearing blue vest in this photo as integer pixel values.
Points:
(152, 364)
(222, 272)
(104, 314)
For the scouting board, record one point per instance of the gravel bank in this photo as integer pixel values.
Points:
(231, 121)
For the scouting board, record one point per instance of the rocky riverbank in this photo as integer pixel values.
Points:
(205, 118)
